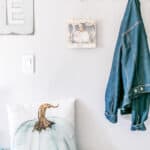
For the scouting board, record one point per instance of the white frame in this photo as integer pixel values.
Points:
(9, 27)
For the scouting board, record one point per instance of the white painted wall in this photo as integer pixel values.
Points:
(62, 72)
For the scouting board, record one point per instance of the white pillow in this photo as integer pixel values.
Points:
(20, 113)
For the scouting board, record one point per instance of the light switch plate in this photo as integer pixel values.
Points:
(28, 64)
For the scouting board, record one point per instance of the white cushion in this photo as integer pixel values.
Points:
(19, 113)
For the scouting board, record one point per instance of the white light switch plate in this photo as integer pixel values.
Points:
(28, 64)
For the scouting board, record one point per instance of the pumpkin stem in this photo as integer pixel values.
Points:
(43, 123)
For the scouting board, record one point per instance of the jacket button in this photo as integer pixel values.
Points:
(135, 90)
(141, 88)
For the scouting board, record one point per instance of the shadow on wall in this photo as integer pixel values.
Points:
(99, 35)
(94, 133)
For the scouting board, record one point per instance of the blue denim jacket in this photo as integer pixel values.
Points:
(128, 87)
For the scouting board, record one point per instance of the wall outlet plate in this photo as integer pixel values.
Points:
(28, 64)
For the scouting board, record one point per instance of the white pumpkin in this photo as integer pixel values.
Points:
(43, 134)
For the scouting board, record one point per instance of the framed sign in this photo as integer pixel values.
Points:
(17, 17)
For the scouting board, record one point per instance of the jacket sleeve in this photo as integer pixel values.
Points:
(114, 90)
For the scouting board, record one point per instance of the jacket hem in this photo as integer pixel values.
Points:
(139, 127)
(111, 117)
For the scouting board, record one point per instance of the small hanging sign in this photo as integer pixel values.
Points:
(81, 33)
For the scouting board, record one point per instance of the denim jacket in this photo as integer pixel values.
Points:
(128, 88)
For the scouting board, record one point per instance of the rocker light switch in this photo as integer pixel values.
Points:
(28, 64)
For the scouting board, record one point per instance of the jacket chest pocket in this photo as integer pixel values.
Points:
(126, 41)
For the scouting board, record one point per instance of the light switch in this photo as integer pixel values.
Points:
(28, 64)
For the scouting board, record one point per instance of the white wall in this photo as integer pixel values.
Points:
(62, 72)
